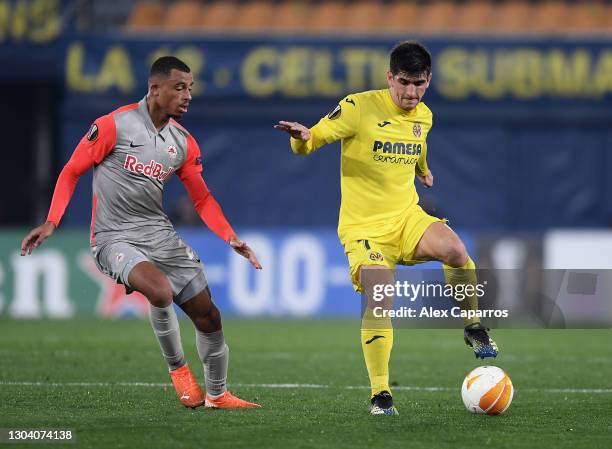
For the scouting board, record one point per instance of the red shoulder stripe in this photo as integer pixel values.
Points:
(127, 107)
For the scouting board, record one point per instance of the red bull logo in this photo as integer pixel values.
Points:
(153, 169)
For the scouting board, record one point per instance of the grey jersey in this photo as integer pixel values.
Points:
(133, 162)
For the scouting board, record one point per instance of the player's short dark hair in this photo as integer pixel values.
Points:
(410, 57)
(165, 64)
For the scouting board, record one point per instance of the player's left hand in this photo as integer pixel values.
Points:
(295, 129)
(36, 236)
(245, 251)
(426, 180)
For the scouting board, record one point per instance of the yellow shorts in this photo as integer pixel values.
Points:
(395, 248)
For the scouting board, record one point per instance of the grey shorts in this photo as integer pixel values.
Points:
(177, 260)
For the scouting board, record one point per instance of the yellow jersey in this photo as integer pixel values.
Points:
(383, 146)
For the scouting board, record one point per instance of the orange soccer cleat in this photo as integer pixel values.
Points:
(187, 388)
(228, 400)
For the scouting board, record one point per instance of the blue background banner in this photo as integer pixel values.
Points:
(305, 273)
(523, 70)
(512, 117)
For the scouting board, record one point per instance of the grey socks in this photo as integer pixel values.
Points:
(212, 349)
(166, 327)
(214, 354)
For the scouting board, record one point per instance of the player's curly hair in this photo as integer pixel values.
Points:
(165, 64)
(410, 57)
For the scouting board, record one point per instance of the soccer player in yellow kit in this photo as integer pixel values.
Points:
(384, 147)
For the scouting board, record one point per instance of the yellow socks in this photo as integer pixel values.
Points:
(465, 275)
(376, 345)
(377, 334)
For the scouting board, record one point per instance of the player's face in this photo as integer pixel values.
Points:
(407, 90)
(174, 94)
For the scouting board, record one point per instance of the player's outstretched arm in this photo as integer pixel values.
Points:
(342, 122)
(295, 130)
(92, 149)
(426, 180)
(245, 251)
(36, 237)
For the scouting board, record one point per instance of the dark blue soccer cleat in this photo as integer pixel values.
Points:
(382, 404)
(476, 336)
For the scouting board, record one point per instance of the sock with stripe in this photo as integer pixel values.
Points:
(376, 345)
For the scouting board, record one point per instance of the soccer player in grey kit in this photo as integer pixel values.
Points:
(133, 150)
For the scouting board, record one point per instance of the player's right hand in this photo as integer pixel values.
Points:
(36, 237)
(295, 129)
(426, 180)
(245, 251)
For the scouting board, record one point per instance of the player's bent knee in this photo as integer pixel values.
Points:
(160, 299)
(208, 321)
(159, 293)
(152, 283)
(214, 316)
(455, 255)
(373, 276)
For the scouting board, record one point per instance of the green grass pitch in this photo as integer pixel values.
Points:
(107, 381)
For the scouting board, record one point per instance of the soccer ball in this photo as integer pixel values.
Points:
(487, 389)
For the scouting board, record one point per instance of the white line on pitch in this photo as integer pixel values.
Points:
(281, 386)
(86, 384)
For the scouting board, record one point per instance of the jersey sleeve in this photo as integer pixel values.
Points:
(203, 201)
(193, 160)
(421, 166)
(341, 123)
(91, 150)
(206, 206)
